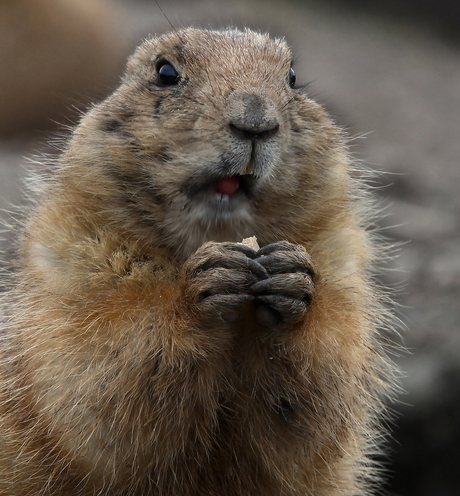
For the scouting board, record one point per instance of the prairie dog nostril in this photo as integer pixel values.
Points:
(254, 132)
(252, 116)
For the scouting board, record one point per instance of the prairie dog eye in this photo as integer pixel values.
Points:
(167, 74)
(292, 78)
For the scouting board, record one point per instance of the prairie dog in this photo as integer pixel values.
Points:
(147, 351)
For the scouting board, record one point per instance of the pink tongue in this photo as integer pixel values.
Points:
(227, 185)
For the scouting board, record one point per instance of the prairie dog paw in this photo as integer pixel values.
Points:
(282, 299)
(218, 278)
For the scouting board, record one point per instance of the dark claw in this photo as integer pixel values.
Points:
(252, 265)
(249, 252)
(258, 269)
(294, 285)
(262, 286)
(280, 246)
(278, 264)
(290, 309)
(266, 261)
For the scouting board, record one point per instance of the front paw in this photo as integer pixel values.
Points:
(217, 281)
(282, 299)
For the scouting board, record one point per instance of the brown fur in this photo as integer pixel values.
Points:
(141, 359)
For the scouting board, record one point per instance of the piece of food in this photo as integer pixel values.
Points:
(251, 242)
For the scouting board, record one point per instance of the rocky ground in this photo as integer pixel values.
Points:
(395, 85)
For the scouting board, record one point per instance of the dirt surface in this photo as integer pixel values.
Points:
(398, 85)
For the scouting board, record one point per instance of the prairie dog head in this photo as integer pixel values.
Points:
(208, 138)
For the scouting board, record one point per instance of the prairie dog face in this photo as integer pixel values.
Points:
(208, 135)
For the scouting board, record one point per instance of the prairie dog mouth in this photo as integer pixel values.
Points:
(224, 189)
(221, 187)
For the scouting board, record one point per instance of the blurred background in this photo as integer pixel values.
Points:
(387, 70)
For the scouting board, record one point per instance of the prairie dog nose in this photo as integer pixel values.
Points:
(252, 115)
